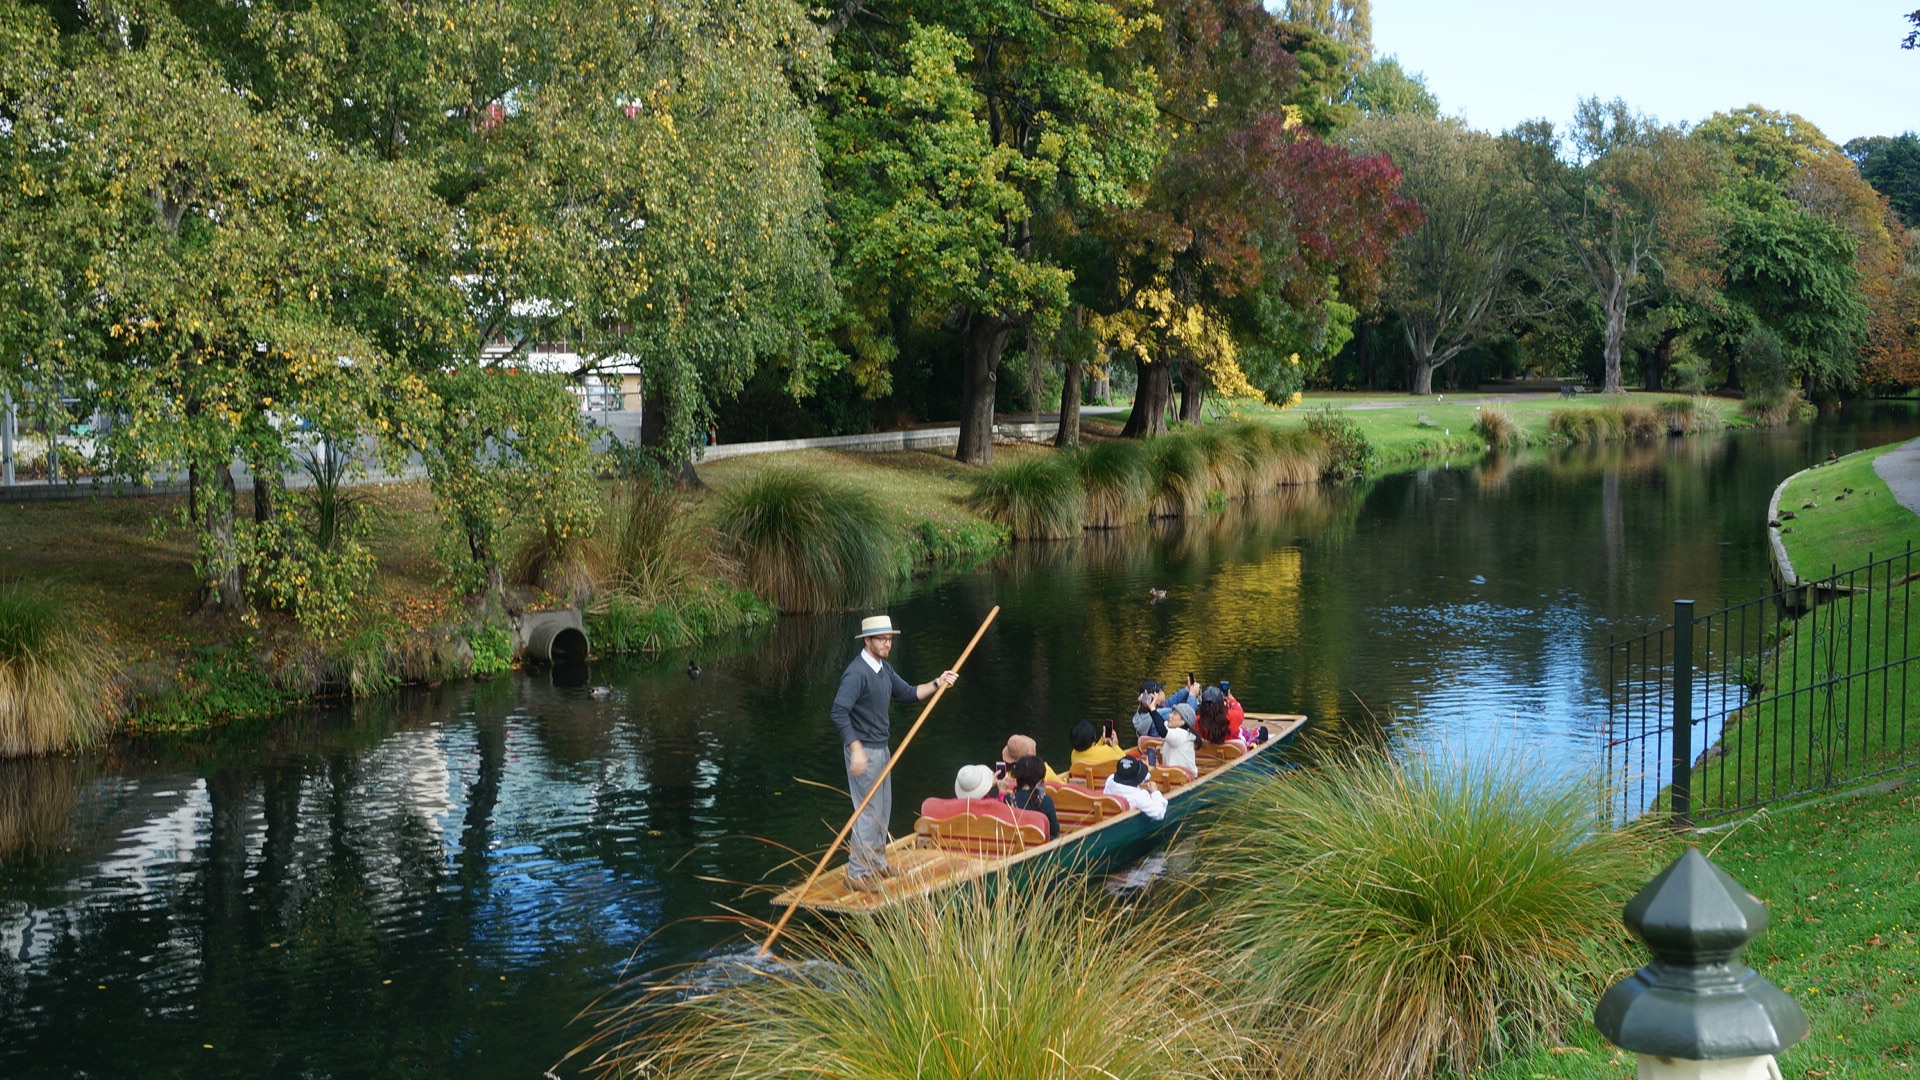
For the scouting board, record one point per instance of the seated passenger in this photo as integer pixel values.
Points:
(1211, 724)
(1019, 746)
(1150, 719)
(1093, 746)
(974, 782)
(1236, 715)
(1131, 781)
(1030, 793)
(1176, 748)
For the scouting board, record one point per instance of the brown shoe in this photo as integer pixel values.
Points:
(864, 883)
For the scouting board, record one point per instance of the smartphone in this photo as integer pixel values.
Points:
(1000, 768)
(1108, 725)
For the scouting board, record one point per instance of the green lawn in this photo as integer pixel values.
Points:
(1835, 528)
(1838, 879)
(1405, 429)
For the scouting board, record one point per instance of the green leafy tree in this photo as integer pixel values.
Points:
(945, 131)
(207, 278)
(1484, 258)
(1627, 195)
(1348, 22)
(1387, 89)
(1892, 165)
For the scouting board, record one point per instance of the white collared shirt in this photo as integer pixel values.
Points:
(872, 661)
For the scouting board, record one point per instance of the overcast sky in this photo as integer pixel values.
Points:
(1836, 62)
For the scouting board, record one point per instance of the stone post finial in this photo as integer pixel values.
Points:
(1696, 1002)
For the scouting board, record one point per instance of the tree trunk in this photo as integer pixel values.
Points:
(266, 492)
(1068, 436)
(676, 463)
(1193, 392)
(1616, 304)
(1423, 375)
(1661, 363)
(1150, 401)
(986, 337)
(221, 588)
(1101, 388)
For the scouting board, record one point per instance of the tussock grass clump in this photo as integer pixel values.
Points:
(805, 543)
(982, 983)
(1638, 421)
(1036, 496)
(1179, 477)
(1426, 916)
(1772, 408)
(1594, 425)
(1691, 416)
(660, 579)
(1227, 463)
(1297, 457)
(56, 674)
(1497, 426)
(1118, 481)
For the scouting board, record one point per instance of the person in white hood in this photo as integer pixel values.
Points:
(1131, 781)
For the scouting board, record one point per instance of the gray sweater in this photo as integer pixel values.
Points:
(860, 708)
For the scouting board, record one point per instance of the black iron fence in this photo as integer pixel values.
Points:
(1804, 689)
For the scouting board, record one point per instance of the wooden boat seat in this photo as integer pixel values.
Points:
(1078, 808)
(1212, 756)
(1092, 776)
(1146, 743)
(983, 835)
(1170, 777)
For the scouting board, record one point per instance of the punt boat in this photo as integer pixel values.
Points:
(1096, 831)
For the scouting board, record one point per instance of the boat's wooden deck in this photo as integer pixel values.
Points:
(920, 868)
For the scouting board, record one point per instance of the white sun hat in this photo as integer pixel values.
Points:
(974, 782)
(875, 626)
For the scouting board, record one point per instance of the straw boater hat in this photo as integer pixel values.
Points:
(974, 782)
(876, 626)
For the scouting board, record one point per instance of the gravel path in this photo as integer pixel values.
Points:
(1901, 470)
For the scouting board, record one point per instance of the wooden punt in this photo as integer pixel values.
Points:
(972, 848)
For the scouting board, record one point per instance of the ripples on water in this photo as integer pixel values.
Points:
(435, 884)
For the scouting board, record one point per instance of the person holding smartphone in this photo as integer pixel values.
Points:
(1094, 745)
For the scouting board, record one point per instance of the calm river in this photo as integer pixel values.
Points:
(435, 884)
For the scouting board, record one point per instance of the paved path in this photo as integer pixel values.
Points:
(1901, 470)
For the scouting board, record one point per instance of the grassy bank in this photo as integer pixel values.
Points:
(1837, 878)
(1405, 430)
(1839, 513)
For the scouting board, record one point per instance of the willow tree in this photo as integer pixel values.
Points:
(209, 280)
(946, 129)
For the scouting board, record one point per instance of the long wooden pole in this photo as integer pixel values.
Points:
(892, 760)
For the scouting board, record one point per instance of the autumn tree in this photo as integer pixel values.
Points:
(946, 129)
(1627, 195)
(1484, 257)
(1892, 165)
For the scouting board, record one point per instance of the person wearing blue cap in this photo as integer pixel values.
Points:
(861, 715)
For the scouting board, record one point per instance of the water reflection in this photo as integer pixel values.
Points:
(436, 883)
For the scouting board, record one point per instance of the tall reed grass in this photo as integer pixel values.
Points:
(806, 543)
(1691, 415)
(1772, 408)
(1641, 421)
(1036, 496)
(1594, 425)
(56, 674)
(982, 983)
(1409, 918)
(1179, 477)
(660, 578)
(1119, 483)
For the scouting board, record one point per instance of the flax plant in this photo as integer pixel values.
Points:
(1118, 482)
(1043, 979)
(1036, 496)
(806, 543)
(56, 674)
(1406, 919)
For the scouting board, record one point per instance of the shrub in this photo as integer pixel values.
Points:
(492, 650)
(1772, 409)
(1427, 916)
(983, 982)
(805, 543)
(1119, 479)
(1177, 472)
(56, 674)
(1036, 496)
(1497, 426)
(1348, 453)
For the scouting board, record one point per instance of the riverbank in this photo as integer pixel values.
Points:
(1836, 515)
(1837, 878)
(126, 562)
